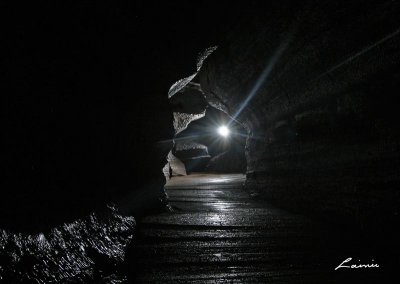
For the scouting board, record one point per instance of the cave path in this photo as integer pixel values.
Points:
(219, 234)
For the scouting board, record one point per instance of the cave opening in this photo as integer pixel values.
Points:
(207, 140)
(207, 145)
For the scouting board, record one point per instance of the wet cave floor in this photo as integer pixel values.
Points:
(217, 233)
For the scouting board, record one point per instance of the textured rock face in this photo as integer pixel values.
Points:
(182, 120)
(174, 167)
(181, 84)
(86, 250)
(188, 105)
(319, 102)
(189, 100)
(189, 149)
(194, 155)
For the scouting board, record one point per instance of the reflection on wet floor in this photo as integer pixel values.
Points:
(217, 233)
(203, 179)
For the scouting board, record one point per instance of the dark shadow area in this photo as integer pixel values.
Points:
(84, 103)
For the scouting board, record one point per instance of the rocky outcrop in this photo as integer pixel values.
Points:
(188, 105)
(174, 167)
(194, 155)
(86, 250)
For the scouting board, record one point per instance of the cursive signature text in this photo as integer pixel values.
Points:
(346, 264)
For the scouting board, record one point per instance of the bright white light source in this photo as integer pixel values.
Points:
(223, 131)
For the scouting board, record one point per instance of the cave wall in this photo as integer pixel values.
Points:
(81, 115)
(322, 121)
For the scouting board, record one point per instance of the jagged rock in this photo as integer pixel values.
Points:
(182, 120)
(182, 83)
(189, 149)
(175, 166)
(194, 155)
(189, 100)
(86, 250)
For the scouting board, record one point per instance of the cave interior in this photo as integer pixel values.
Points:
(279, 138)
